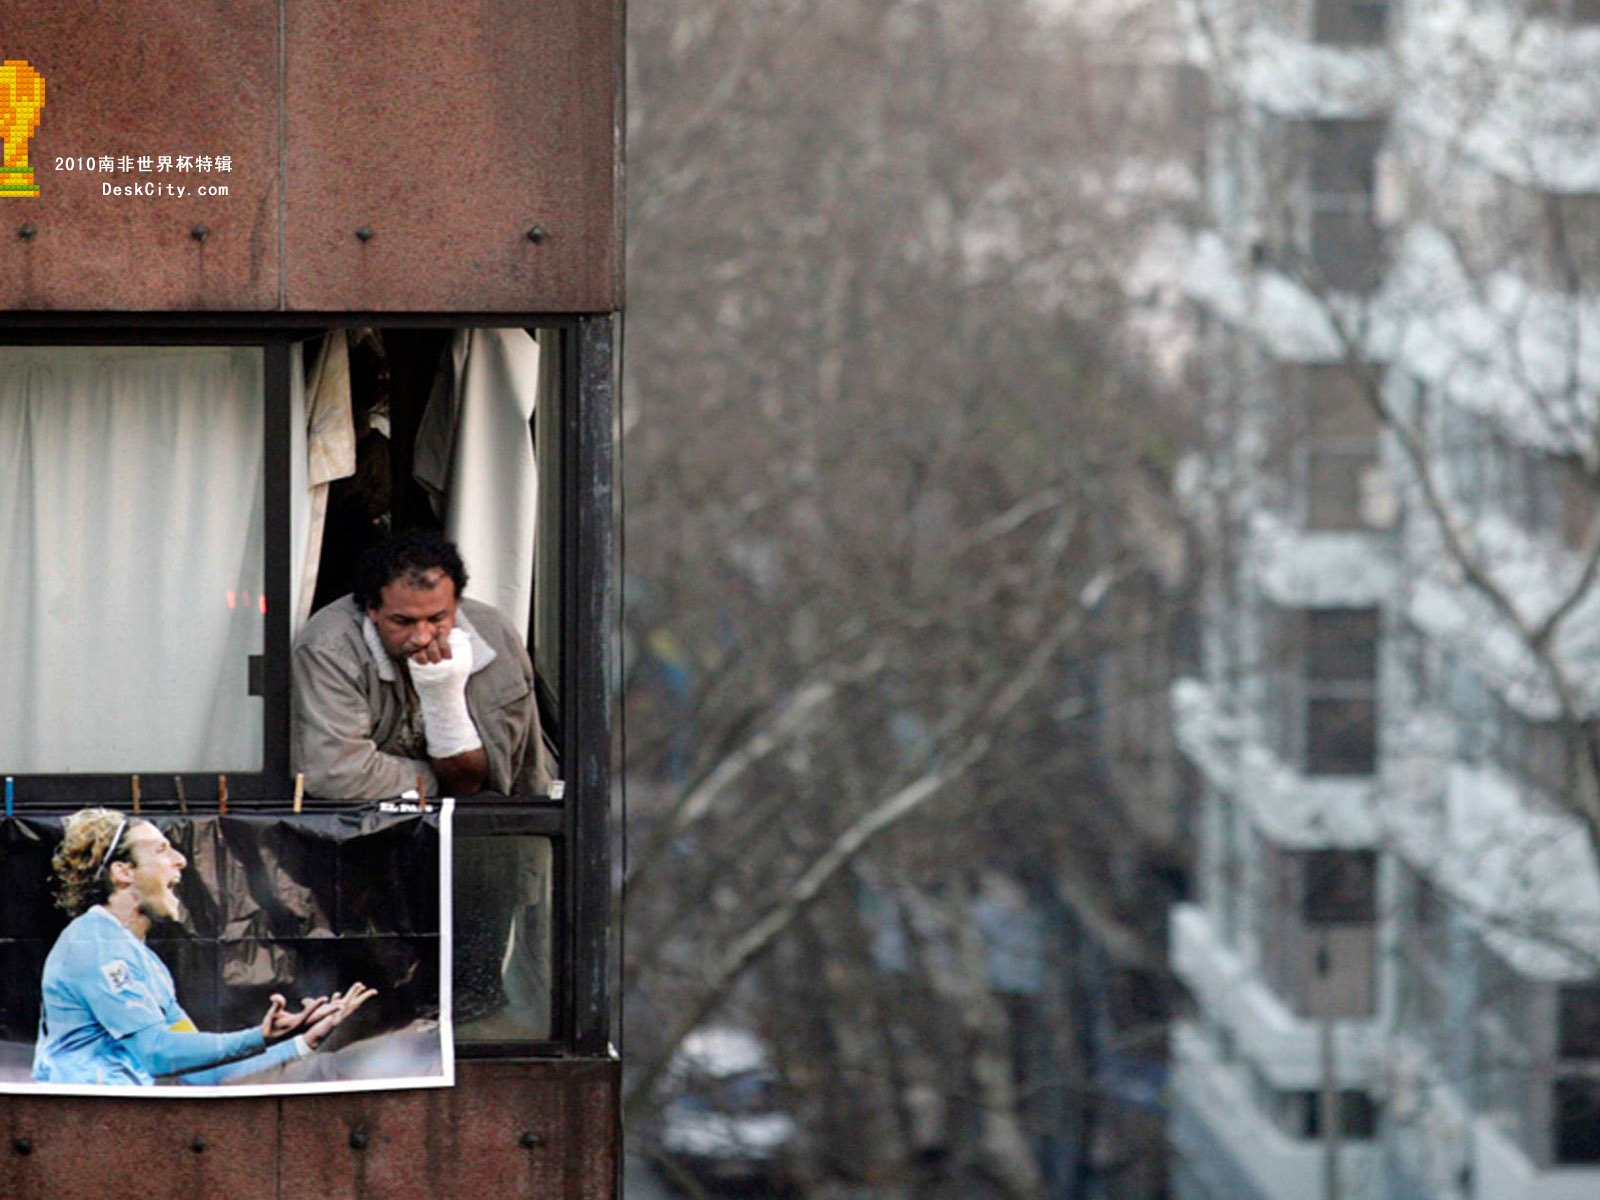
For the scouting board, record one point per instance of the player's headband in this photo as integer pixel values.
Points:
(112, 848)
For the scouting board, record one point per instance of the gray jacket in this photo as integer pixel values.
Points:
(357, 730)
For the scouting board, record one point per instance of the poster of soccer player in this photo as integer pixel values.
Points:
(237, 953)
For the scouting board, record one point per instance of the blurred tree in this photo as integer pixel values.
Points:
(895, 479)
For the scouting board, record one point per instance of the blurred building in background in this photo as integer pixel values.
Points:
(1393, 955)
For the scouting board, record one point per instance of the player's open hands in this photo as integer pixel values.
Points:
(282, 1021)
(334, 1011)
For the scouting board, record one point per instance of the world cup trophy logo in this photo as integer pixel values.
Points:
(21, 101)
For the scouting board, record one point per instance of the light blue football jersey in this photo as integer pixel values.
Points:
(101, 985)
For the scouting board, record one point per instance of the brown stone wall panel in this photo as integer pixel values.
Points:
(175, 77)
(174, 1149)
(596, 1109)
(448, 132)
(505, 1130)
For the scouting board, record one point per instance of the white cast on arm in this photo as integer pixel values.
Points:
(442, 693)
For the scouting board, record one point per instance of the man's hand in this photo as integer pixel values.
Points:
(333, 1012)
(439, 673)
(440, 649)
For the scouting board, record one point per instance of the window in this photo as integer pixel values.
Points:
(1490, 470)
(1332, 446)
(1576, 1103)
(1321, 688)
(460, 429)
(158, 521)
(1341, 672)
(1536, 753)
(1572, 234)
(1577, 12)
(1298, 1114)
(1576, 1090)
(1578, 1021)
(1319, 929)
(1357, 1114)
(1344, 243)
(132, 553)
(1340, 887)
(1577, 502)
(1351, 22)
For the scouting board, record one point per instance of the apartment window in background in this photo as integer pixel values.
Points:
(1344, 243)
(1575, 12)
(1341, 685)
(1572, 237)
(1320, 688)
(1351, 22)
(1319, 923)
(1576, 1098)
(1332, 447)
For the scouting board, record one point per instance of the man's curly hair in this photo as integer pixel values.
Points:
(410, 556)
(78, 861)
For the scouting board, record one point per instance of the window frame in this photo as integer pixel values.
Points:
(269, 672)
(577, 705)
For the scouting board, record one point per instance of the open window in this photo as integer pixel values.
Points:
(173, 513)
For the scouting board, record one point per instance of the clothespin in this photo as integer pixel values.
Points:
(135, 795)
(299, 790)
(183, 797)
(422, 795)
(222, 794)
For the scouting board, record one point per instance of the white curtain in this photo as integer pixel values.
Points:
(131, 534)
(474, 455)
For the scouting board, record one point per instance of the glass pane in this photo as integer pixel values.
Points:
(1341, 737)
(1342, 645)
(1580, 1022)
(1341, 886)
(503, 938)
(1343, 154)
(1577, 1120)
(1345, 247)
(131, 533)
(1335, 483)
(1337, 399)
(1351, 22)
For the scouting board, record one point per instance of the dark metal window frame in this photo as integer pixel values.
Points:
(579, 703)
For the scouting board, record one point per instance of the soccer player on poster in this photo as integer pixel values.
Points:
(109, 1012)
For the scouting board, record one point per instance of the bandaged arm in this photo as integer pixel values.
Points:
(442, 695)
(454, 744)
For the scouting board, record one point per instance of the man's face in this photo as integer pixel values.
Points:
(153, 871)
(415, 618)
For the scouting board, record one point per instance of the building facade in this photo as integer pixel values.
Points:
(203, 204)
(1393, 956)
